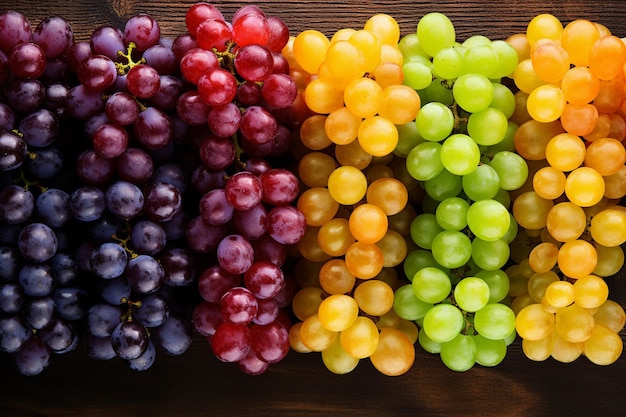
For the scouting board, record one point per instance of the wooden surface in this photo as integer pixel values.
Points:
(196, 384)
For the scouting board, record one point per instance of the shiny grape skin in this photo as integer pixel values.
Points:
(129, 340)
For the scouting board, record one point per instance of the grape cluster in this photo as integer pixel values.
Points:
(571, 130)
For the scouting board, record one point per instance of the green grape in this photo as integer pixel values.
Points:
(503, 100)
(408, 138)
(448, 63)
(487, 127)
(476, 40)
(434, 121)
(490, 255)
(407, 305)
(423, 230)
(409, 46)
(443, 322)
(416, 260)
(488, 219)
(459, 354)
(511, 168)
(489, 352)
(510, 338)
(498, 282)
(482, 183)
(451, 213)
(428, 344)
(444, 185)
(451, 249)
(506, 144)
(435, 31)
(431, 285)
(460, 154)
(417, 74)
(507, 59)
(473, 92)
(471, 294)
(494, 321)
(438, 91)
(480, 59)
(424, 162)
(511, 234)
(503, 197)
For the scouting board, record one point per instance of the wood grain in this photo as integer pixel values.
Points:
(196, 384)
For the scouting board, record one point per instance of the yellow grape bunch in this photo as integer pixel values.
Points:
(571, 115)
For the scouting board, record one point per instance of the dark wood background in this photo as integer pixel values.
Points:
(196, 384)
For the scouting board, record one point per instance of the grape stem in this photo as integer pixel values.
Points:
(128, 315)
(123, 68)
(123, 241)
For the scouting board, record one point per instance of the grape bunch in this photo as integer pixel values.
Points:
(355, 201)
(571, 130)
(463, 156)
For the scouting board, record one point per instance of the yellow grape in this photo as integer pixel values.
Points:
(603, 347)
(549, 182)
(534, 323)
(531, 210)
(364, 260)
(368, 223)
(531, 138)
(390, 194)
(546, 103)
(584, 186)
(605, 155)
(314, 168)
(579, 85)
(344, 60)
(608, 227)
(378, 136)
(607, 57)
(353, 154)
(342, 34)
(578, 38)
(337, 312)
(549, 60)
(539, 282)
(519, 42)
(369, 44)
(544, 26)
(577, 258)
(611, 315)
(602, 129)
(347, 185)
(334, 237)
(374, 297)
(610, 95)
(618, 126)
(391, 53)
(306, 302)
(322, 96)
(309, 49)
(387, 73)
(295, 342)
(314, 335)
(574, 323)
(363, 97)
(317, 206)
(395, 353)
(579, 119)
(400, 104)
(342, 126)
(393, 247)
(409, 328)
(539, 350)
(610, 260)
(313, 134)
(389, 319)
(565, 152)
(566, 221)
(565, 351)
(542, 258)
(309, 247)
(385, 27)
(335, 278)
(560, 294)
(361, 339)
(337, 360)
(615, 185)
(525, 77)
(591, 291)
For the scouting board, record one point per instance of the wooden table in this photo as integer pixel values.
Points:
(196, 384)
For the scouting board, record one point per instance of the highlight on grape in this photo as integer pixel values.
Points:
(356, 196)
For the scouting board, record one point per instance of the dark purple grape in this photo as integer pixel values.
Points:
(174, 336)
(27, 60)
(25, 95)
(54, 35)
(217, 153)
(258, 125)
(71, 302)
(191, 109)
(53, 207)
(102, 318)
(12, 150)
(248, 93)
(268, 249)
(47, 163)
(252, 223)
(144, 361)
(279, 90)
(13, 333)
(214, 281)
(65, 268)
(39, 128)
(161, 58)
(56, 96)
(215, 208)
(108, 260)
(144, 274)
(121, 108)
(170, 88)
(87, 203)
(97, 73)
(110, 140)
(206, 318)
(108, 41)
(162, 201)
(103, 228)
(147, 237)
(7, 117)
(33, 358)
(124, 199)
(135, 165)
(11, 298)
(202, 237)
(129, 340)
(179, 265)
(36, 280)
(39, 312)
(143, 30)
(98, 348)
(204, 180)
(58, 335)
(10, 263)
(83, 103)
(152, 312)
(14, 28)
(93, 169)
(153, 128)
(175, 229)
(113, 291)
(37, 242)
